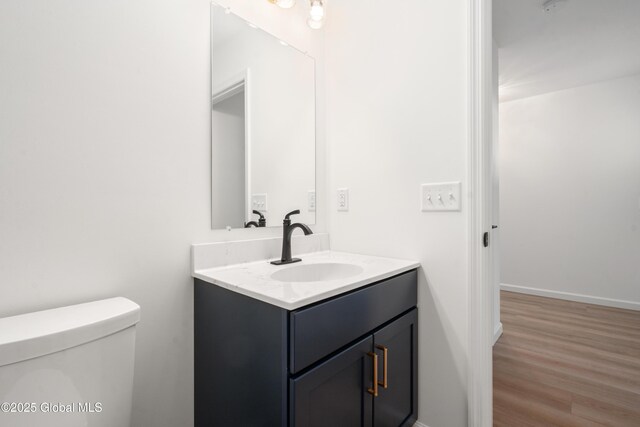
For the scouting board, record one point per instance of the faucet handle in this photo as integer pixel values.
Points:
(296, 212)
(262, 222)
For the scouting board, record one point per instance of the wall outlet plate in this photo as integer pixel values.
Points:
(444, 196)
(311, 201)
(343, 199)
(259, 202)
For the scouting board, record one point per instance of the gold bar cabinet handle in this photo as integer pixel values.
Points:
(374, 390)
(385, 351)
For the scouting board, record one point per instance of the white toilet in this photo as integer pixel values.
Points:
(69, 366)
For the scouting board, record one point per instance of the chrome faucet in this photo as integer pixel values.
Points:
(287, 231)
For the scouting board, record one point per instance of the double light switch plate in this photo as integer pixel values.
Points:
(444, 196)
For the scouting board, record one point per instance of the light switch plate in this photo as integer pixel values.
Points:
(343, 199)
(311, 205)
(444, 196)
(259, 202)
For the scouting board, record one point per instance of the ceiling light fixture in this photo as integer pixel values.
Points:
(316, 11)
(316, 14)
(285, 4)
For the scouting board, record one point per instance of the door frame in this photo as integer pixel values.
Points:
(241, 82)
(480, 122)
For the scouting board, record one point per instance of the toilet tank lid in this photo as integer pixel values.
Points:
(44, 332)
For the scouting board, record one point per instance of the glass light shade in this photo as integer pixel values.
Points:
(285, 4)
(316, 25)
(317, 10)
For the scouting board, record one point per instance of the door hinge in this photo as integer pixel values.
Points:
(485, 239)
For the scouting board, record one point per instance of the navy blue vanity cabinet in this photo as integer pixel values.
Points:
(346, 361)
(240, 360)
(341, 391)
(396, 404)
(334, 393)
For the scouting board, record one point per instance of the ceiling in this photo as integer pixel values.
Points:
(579, 42)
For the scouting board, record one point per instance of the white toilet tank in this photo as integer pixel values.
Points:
(69, 366)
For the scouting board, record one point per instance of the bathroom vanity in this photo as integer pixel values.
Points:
(331, 341)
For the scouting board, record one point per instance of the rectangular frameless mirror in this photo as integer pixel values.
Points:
(262, 126)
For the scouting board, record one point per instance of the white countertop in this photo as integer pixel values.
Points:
(254, 278)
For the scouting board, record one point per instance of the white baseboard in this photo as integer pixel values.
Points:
(419, 424)
(629, 305)
(497, 333)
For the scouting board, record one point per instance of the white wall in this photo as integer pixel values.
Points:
(570, 190)
(105, 167)
(397, 112)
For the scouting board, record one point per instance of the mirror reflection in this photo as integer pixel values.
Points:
(262, 126)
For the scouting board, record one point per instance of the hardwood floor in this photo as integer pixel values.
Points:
(563, 363)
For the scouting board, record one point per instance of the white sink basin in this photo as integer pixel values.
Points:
(320, 275)
(317, 272)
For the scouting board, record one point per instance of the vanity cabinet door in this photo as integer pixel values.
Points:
(396, 405)
(335, 392)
